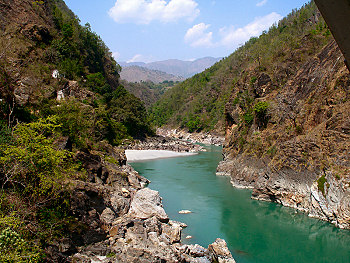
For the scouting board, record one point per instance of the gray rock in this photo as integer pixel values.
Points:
(219, 251)
(108, 216)
(120, 204)
(172, 232)
(146, 204)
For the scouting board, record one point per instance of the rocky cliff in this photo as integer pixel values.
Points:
(295, 149)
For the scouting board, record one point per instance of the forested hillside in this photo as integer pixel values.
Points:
(199, 102)
(148, 91)
(60, 100)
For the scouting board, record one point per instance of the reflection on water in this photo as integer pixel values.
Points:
(255, 231)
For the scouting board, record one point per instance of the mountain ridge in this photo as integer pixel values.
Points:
(138, 74)
(176, 67)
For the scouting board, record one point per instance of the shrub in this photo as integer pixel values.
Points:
(77, 121)
(31, 162)
(320, 184)
(248, 118)
(13, 248)
(260, 111)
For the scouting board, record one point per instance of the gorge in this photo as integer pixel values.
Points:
(278, 105)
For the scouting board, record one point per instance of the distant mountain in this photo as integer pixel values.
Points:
(177, 67)
(138, 74)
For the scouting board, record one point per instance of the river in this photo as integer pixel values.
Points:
(255, 231)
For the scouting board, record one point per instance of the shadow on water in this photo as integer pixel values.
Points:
(255, 231)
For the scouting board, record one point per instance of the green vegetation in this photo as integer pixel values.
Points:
(260, 111)
(199, 103)
(35, 170)
(320, 184)
(148, 91)
(32, 173)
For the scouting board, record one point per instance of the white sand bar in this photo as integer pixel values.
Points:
(140, 155)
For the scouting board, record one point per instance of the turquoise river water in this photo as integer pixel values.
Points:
(255, 231)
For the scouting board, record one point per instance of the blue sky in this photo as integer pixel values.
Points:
(152, 30)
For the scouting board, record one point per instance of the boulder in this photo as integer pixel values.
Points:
(146, 204)
(120, 204)
(172, 232)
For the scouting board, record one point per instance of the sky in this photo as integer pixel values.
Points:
(154, 30)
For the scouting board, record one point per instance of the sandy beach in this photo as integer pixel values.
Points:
(140, 155)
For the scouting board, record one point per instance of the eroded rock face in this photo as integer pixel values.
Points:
(146, 204)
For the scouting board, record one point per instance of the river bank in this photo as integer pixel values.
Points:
(201, 137)
(142, 155)
(126, 219)
(300, 190)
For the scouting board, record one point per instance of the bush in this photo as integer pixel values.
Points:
(77, 121)
(13, 248)
(320, 184)
(260, 111)
(30, 162)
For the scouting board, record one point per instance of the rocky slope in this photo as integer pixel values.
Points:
(199, 137)
(298, 153)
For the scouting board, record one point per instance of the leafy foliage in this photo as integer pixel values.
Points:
(260, 111)
(31, 162)
(13, 248)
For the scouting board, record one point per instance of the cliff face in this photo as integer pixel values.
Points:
(295, 148)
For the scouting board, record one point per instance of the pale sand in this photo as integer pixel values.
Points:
(140, 155)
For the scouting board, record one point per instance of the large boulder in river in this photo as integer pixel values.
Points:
(146, 204)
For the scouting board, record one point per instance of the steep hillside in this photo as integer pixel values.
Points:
(62, 112)
(198, 103)
(283, 102)
(177, 67)
(138, 74)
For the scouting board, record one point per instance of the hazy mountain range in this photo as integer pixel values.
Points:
(138, 74)
(176, 67)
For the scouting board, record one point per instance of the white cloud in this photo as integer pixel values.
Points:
(230, 37)
(261, 3)
(146, 11)
(141, 58)
(197, 37)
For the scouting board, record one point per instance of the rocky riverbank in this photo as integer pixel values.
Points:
(160, 142)
(202, 137)
(125, 220)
